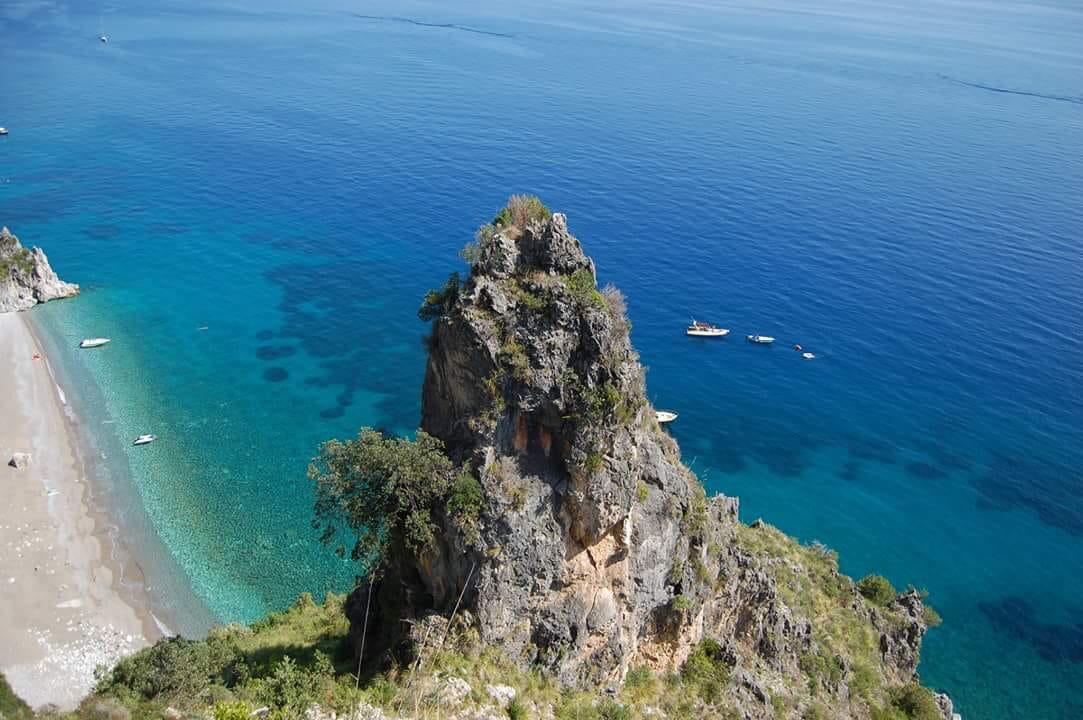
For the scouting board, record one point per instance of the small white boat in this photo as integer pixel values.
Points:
(701, 329)
(103, 38)
(761, 339)
(145, 439)
(664, 416)
(808, 356)
(3, 131)
(93, 342)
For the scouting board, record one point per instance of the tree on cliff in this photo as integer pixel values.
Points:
(387, 491)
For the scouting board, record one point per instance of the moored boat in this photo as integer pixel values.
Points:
(664, 416)
(808, 356)
(761, 339)
(93, 342)
(702, 329)
(145, 439)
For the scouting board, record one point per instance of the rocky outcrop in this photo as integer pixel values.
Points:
(597, 549)
(25, 276)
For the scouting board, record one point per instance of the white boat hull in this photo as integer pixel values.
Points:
(760, 339)
(94, 342)
(145, 439)
(664, 416)
(720, 332)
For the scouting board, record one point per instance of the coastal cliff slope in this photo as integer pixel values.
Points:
(596, 550)
(26, 278)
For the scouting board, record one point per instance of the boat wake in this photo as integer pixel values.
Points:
(420, 23)
(1075, 100)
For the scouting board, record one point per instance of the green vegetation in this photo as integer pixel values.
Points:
(14, 259)
(931, 617)
(520, 210)
(706, 671)
(465, 504)
(642, 492)
(909, 702)
(514, 356)
(439, 301)
(877, 590)
(288, 662)
(584, 289)
(11, 707)
(383, 491)
(283, 662)
(808, 580)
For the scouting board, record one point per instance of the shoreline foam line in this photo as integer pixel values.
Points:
(64, 606)
(147, 574)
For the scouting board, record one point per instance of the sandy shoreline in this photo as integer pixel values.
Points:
(63, 607)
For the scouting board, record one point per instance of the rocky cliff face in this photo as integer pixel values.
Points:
(26, 278)
(597, 549)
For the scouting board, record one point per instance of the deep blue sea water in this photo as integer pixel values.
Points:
(895, 185)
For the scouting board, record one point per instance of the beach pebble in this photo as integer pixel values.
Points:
(19, 460)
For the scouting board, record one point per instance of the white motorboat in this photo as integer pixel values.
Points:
(103, 38)
(93, 342)
(808, 356)
(701, 329)
(761, 339)
(664, 416)
(145, 439)
(3, 131)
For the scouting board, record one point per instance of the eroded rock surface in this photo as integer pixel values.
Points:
(26, 278)
(597, 549)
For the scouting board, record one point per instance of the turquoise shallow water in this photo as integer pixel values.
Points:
(896, 186)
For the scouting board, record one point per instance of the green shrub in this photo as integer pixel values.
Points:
(503, 218)
(292, 688)
(465, 503)
(931, 617)
(682, 604)
(642, 492)
(382, 490)
(524, 208)
(232, 711)
(639, 677)
(517, 710)
(514, 356)
(915, 702)
(611, 710)
(439, 301)
(584, 289)
(593, 463)
(877, 590)
(175, 668)
(778, 706)
(11, 705)
(706, 670)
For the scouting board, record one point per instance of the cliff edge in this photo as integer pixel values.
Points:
(26, 278)
(595, 550)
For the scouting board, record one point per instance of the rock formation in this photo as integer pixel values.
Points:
(597, 549)
(26, 278)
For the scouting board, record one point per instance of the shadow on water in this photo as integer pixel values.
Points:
(1053, 491)
(1017, 618)
(925, 471)
(339, 320)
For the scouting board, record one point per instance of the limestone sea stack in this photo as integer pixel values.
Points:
(597, 550)
(26, 278)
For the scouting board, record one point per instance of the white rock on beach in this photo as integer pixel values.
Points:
(20, 460)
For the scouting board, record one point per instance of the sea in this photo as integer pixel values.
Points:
(254, 196)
